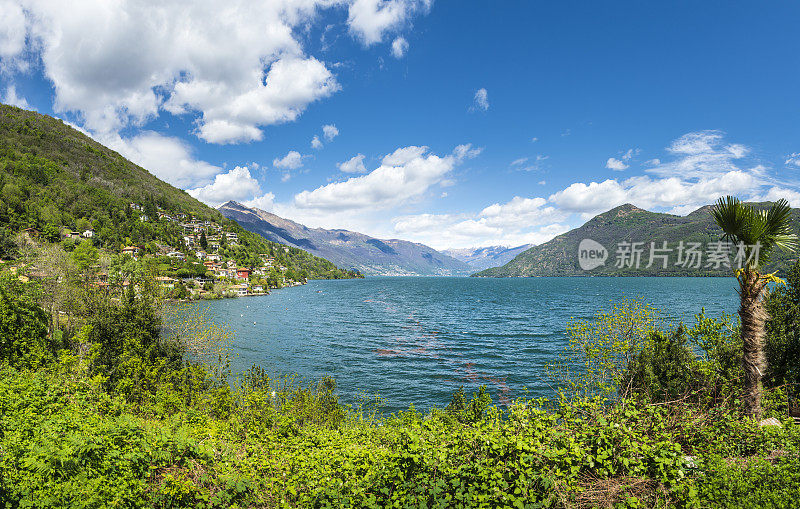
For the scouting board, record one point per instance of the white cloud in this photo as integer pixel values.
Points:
(481, 100)
(13, 99)
(519, 221)
(237, 185)
(622, 163)
(467, 151)
(615, 164)
(399, 47)
(233, 68)
(404, 175)
(169, 159)
(316, 143)
(775, 193)
(353, 165)
(369, 20)
(534, 139)
(330, 132)
(519, 162)
(793, 159)
(291, 161)
(650, 193)
(12, 36)
(700, 154)
(265, 202)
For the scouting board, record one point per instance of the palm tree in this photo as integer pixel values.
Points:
(755, 233)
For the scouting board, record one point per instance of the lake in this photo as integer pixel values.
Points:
(418, 339)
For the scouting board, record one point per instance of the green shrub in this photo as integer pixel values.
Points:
(23, 327)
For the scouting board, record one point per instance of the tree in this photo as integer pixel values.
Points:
(23, 327)
(203, 241)
(755, 233)
(85, 255)
(783, 334)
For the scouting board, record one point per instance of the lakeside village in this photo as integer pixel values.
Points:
(202, 266)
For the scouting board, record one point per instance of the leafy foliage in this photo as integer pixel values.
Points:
(120, 418)
(54, 177)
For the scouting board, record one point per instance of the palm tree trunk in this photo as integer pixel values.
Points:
(753, 316)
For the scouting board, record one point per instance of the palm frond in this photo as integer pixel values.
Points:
(741, 223)
(728, 213)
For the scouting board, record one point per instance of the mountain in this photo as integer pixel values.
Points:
(54, 178)
(485, 257)
(627, 223)
(368, 255)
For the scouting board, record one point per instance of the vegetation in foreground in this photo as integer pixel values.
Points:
(112, 408)
(110, 398)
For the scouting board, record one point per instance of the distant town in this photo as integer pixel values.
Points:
(200, 267)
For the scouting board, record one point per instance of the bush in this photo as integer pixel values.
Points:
(128, 349)
(23, 327)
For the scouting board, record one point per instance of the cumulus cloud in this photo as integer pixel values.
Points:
(519, 221)
(650, 193)
(232, 68)
(775, 193)
(237, 185)
(615, 164)
(316, 143)
(330, 132)
(404, 175)
(11, 97)
(264, 202)
(370, 20)
(399, 47)
(12, 36)
(622, 163)
(481, 100)
(168, 158)
(291, 161)
(353, 165)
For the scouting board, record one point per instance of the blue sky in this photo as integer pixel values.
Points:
(455, 124)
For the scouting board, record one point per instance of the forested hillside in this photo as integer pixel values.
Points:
(630, 224)
(54, 178)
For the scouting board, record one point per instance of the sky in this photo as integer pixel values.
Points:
(452, 123)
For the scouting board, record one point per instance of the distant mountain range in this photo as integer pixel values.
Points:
(627, 223)
(352, 250)
(485, 257)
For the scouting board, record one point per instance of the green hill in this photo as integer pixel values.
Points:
(627, 223)
(54, 178)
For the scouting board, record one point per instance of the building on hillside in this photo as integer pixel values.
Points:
(71, 235)
(87, 234)
(241, 290)
(213, 258)
(257, 289)
(201, 255)
(177, 255)
(243, 273)
(130, 250)
(166, 282)
(144, 218)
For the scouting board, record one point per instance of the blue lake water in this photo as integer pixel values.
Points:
(418, 339)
